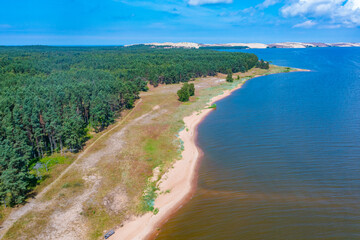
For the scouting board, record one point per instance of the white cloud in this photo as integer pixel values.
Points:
(334, 12)
(202, 2)
(306, 24)
(331, 26)
(267, 3)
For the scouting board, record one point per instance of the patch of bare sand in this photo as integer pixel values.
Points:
(116, 201)
(68, 222)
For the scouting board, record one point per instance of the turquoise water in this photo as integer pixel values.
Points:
(281, 155)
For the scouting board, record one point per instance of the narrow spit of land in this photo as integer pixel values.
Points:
(179, 182)
(114, 183)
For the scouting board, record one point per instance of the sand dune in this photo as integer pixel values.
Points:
(251, 45)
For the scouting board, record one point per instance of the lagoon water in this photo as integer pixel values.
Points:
(281, 155)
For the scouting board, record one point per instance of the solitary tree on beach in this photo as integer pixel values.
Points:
(191, 89)
(262, 64)
(229, 77)
(184, 93)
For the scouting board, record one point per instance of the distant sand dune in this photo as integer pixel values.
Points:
(251, 45)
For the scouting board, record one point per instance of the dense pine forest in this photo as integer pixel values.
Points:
(51, 97)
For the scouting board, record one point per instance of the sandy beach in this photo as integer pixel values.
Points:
(179, 180)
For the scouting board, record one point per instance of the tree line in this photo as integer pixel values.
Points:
(51, 97)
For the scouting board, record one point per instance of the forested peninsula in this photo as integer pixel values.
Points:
(51, 98)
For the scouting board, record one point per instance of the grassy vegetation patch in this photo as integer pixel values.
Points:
(74, 184)
(213, 106)
(151, 148)
(187, 103)
(29, 225)
(43, 168)
(70, 185)
(148, 199)
(4, 213)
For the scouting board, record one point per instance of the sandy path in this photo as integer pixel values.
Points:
(38, 205)
(180, 180)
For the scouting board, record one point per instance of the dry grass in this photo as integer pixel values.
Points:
(4, 213)
(149, 140)
(32, 223)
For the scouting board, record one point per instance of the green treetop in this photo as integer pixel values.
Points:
(229, 77)
(186, 91)
(191, 89)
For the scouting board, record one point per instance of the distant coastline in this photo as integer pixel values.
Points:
(249, 45)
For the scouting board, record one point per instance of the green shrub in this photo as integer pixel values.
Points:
(191, 89)
(185, 92)
(213, 106)
(148, 199)
(156, 210)
(262, 64)
(229, 77)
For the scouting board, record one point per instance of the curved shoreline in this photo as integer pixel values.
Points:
(180, 179)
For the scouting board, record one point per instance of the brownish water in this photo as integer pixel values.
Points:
(281, 155)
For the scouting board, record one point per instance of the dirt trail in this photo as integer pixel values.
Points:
(85, 164)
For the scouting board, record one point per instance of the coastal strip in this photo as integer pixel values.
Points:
(179, 182)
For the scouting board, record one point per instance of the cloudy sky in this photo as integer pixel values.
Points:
(117, 22)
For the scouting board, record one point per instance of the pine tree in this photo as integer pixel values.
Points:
(229, 77)
(102, 116)
(14, 178)
(266, 65)
(191, 89)
(262, 64)
(184, 93)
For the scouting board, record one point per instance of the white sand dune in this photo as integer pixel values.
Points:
(252, 45)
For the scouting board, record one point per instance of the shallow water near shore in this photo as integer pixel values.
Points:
(281, 155)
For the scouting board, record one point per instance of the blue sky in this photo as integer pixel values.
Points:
(118, 22)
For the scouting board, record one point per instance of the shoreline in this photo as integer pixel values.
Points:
(181, 179)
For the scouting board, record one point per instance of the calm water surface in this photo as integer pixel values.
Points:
(282, 155)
